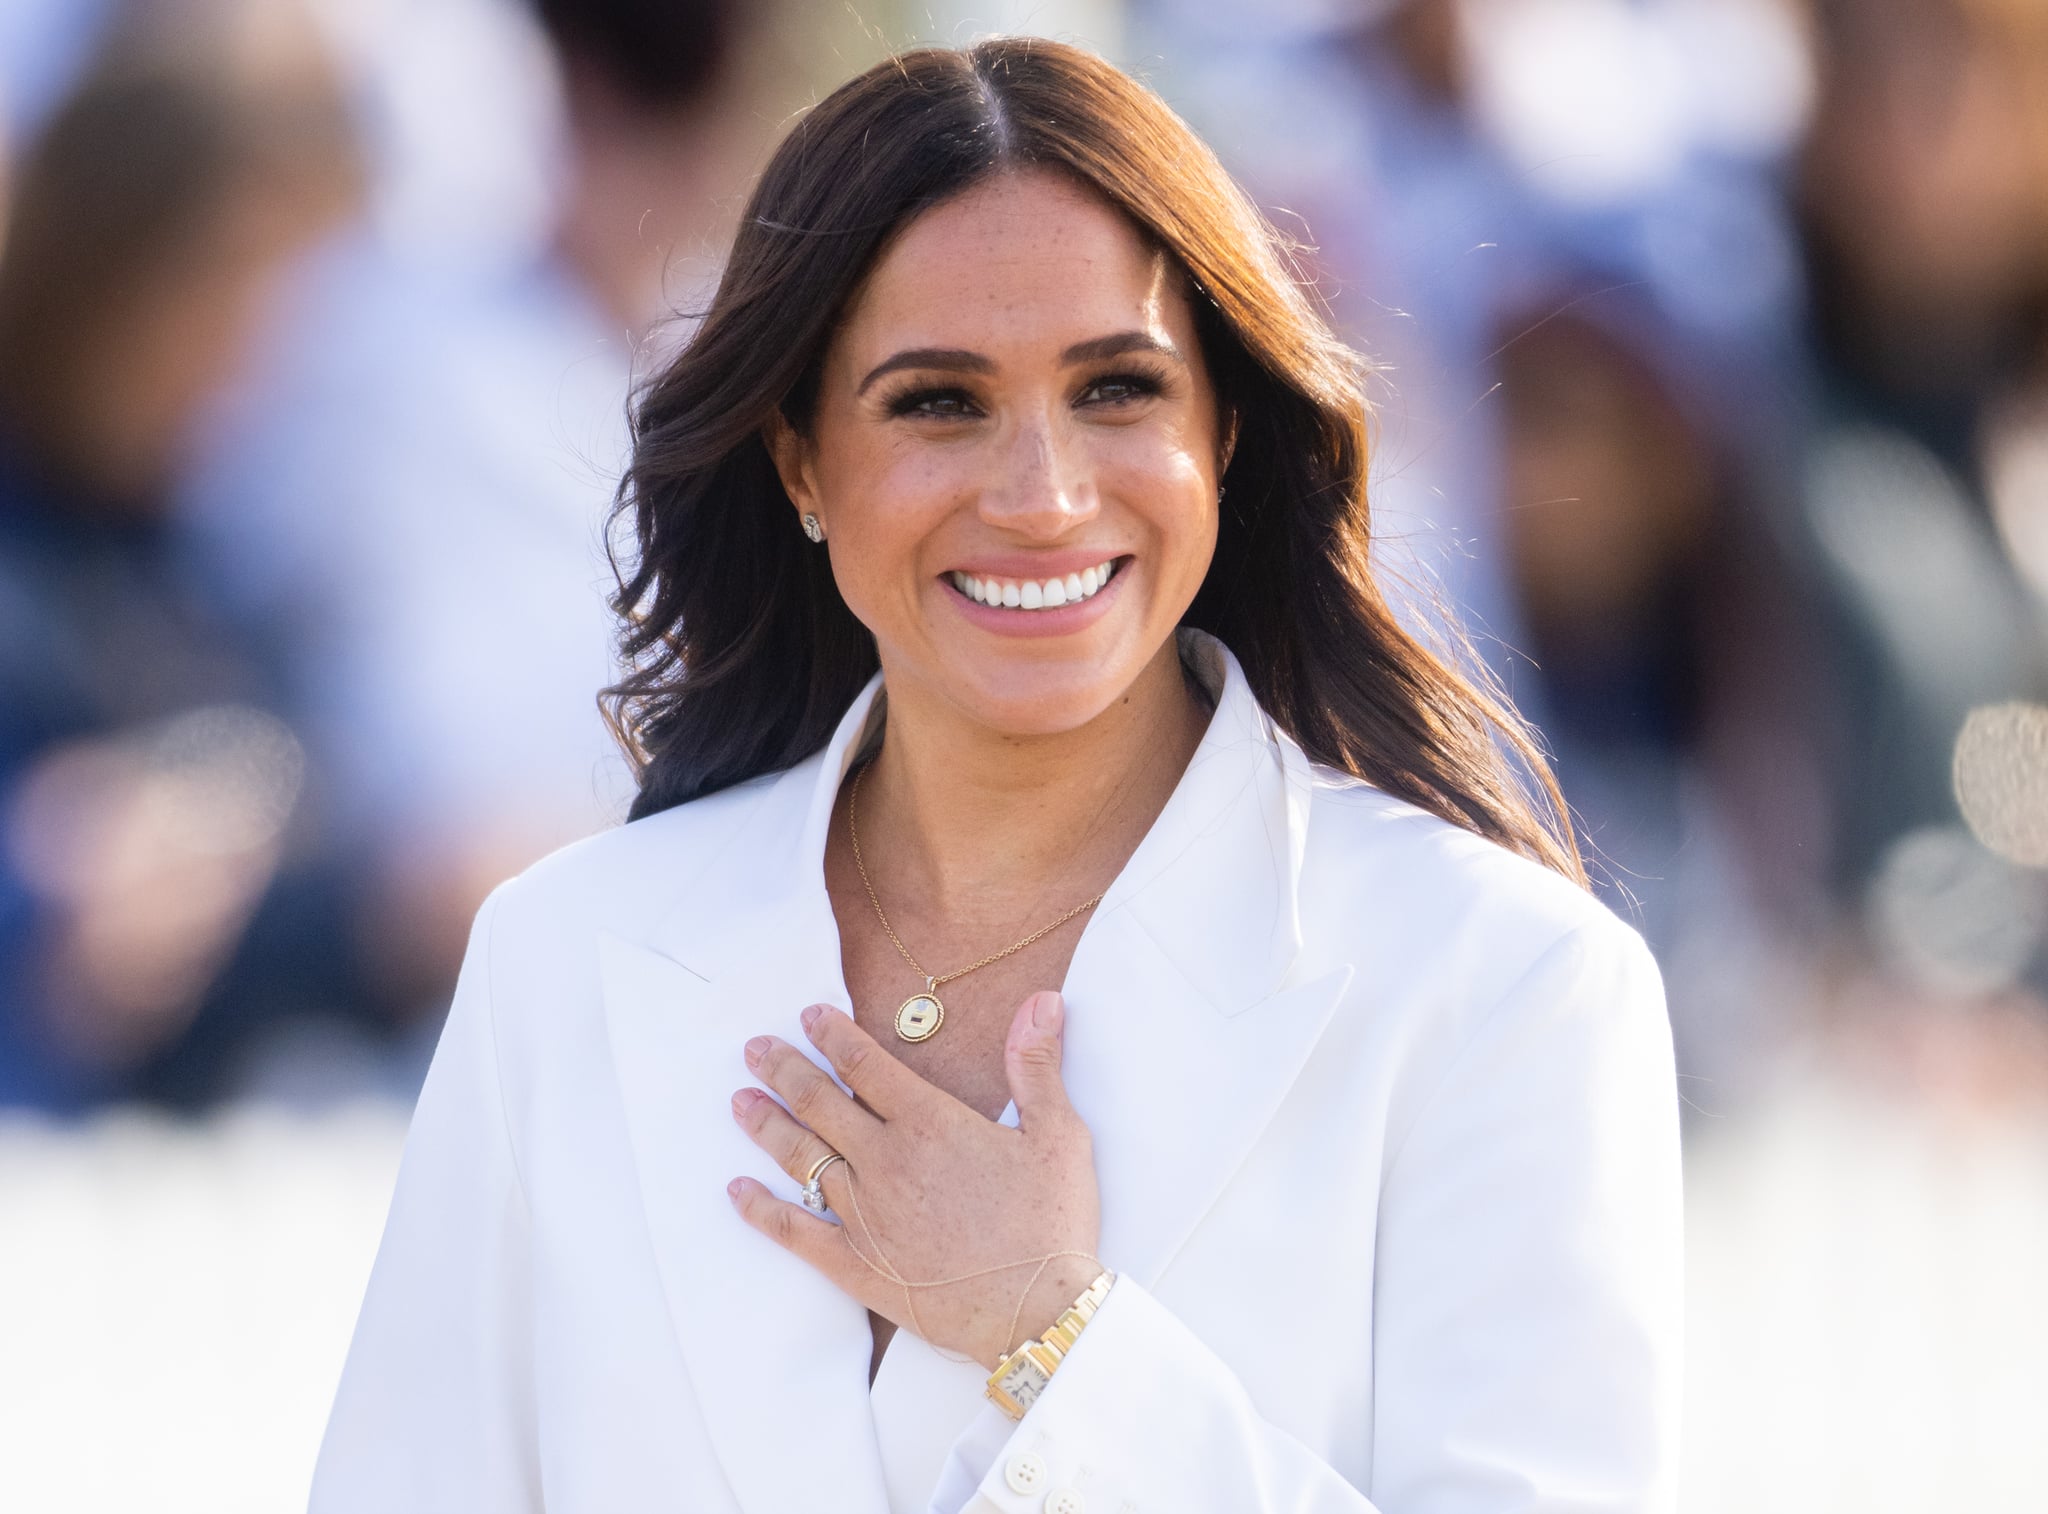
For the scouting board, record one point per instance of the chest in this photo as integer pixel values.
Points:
(964, 1056)
(1228, 1148)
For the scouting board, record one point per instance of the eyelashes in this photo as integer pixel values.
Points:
(925, 400)
(946, 401)
(1136, 382)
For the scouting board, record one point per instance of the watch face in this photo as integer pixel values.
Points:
(1024, 1381)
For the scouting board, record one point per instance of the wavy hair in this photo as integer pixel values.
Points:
(742, 656)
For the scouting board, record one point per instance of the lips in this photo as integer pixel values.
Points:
(1028, 594)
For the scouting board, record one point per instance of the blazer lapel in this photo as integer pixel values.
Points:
(777, 1354)
(1174, 1095)
(1188, 1020)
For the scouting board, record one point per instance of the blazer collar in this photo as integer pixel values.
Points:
(1185, 1031)
(1214, 881)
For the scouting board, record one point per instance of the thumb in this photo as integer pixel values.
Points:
(1032, 1059)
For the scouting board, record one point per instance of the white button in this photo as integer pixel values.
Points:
(1025, 1473)
(1063, 1501)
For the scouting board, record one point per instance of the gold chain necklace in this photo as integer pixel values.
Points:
(921, 1015)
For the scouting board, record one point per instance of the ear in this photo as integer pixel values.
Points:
(791, 455)
(1229, 441)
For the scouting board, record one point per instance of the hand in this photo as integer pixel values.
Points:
(150, 870)
(941, 1191)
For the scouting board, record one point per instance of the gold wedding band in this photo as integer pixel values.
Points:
(814, 1191)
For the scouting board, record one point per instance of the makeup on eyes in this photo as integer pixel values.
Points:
(1142, 380)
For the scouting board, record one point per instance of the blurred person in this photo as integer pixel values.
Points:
(1004, 560)
(147, 785)
(1586, 406)
(1926, 206)
(1400, 206)
(1645, 484)
(45, 47)
(1923, 194)
(418, 415)
(1425, 216)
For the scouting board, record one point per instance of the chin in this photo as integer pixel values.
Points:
(1038, 700)
(1046, 692)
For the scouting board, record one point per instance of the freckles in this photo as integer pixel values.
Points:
(919, 470)
(1163, 466)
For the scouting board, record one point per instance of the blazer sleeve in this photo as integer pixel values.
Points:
(435, 1405)
(1527, 1299)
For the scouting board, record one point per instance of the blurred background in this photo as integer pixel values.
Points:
(1711, 345)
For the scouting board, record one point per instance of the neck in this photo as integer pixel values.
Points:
(976, 824)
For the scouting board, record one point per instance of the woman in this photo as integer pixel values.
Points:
(1002, 621)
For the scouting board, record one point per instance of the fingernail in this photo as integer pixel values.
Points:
(756, 1049)
(744, 1100)
(732, 1190)
(810, 1015)
(1045, 1014)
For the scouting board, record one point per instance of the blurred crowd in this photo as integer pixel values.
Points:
(1712, 346)
(1709, 340)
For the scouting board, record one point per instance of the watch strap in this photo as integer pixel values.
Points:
(1033, 1363)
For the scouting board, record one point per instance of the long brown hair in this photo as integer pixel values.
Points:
(743, 656)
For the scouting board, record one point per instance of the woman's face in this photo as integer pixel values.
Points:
(1015, 455)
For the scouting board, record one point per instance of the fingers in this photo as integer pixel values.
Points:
(795, 1229)
(1031, 1059)
(884, 1084)
(809, 1093)
(793, 1148)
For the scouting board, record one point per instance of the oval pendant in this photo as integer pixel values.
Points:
(918, 1019)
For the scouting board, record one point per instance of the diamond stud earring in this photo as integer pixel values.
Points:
(814, 528)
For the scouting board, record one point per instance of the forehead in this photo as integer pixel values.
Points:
(1030, 259)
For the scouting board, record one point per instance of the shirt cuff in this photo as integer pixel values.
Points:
(1073, 1450)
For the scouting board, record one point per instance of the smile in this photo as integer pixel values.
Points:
(1035, 594)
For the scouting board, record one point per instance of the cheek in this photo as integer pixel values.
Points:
(1171, 489)
(1194, 547)
(883, 504)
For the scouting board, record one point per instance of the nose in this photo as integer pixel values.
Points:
(1043, 487)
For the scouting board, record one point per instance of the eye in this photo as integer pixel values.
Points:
(934, 401)
(1122, 388)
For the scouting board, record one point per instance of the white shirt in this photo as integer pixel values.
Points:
(1384, 1121)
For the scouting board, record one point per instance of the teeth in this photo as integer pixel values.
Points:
(1028, 594)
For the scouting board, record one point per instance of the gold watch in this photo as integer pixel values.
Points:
(1022, 1375)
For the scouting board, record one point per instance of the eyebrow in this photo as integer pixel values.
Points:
(960, 360)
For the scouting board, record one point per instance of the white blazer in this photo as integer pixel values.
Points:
(1384, 1118)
